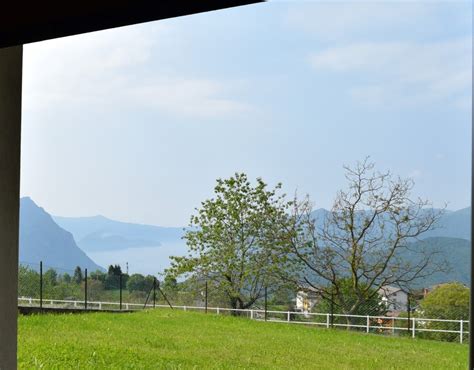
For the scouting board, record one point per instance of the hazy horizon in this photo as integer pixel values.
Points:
(136, 123)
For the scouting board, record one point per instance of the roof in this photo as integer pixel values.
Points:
(390, 290)
(26, 22)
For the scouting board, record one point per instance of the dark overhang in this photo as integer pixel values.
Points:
(25, 22)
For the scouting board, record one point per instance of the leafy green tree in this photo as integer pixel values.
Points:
(372, 303)
(98, 275)
(233, 239)
(28, 282)
(136, 282)
(66, 278)
(170, 284)
(449, 302)
(50, 277)
(112, 280)
(78, 277)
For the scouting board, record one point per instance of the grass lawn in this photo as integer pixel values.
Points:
(181, 340)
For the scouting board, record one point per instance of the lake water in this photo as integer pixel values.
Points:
(143, 260)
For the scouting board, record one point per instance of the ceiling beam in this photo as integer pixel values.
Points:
(26, 22)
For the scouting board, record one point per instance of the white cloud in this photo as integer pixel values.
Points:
(117, 67)
(346, 20)
(415, 174)
(402, 72)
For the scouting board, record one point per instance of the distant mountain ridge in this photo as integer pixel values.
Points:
(456, 254)
(99, 233)
(453, 224)
(41, 239)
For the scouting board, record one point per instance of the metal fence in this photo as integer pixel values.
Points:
(41, 285)
(44, 286)
(414, 327)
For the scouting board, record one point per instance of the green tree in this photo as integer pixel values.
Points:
(372, 303)
(233, 239)
(98, 275)
(170, 284)
(78, 277)
(28, 282)
(136, 282)
(66, 278)
(50, 277)
(449, 302)
(112, 280)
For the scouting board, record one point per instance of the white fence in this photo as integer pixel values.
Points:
(378, 324)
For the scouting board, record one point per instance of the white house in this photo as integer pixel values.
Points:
(394, 298)
(306, 299)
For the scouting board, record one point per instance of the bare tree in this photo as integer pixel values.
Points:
(365, 242)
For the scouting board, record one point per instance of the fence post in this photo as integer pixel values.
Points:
(368, 323)
(408, 312)
(41, 285)
(266, 297)
(85, 289)
(332, 310)
(251, 314)
(327, 320)
(414, 327)
(460, 331)
(120, 286)
(288, 317)
(217, 311)
(154, 292)
(206, 298)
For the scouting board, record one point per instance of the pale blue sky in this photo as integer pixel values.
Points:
(137, 123)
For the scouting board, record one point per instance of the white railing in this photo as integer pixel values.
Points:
(392, 324)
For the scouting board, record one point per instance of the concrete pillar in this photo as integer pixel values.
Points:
(10, 127)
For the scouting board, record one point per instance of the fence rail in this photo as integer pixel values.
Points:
(374, 324)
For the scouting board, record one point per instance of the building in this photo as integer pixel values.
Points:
(306, 299)
(394, 298)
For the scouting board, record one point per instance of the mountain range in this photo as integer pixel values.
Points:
(452, 224)
(98, 233)
(42, 239)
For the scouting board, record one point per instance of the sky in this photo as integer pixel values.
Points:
(137, 123)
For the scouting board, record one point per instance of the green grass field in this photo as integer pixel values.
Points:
(182, 340)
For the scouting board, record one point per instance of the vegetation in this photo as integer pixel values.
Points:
(233, 240)
(362, 243)
(372, 303)
(447, 301)
(175, 339)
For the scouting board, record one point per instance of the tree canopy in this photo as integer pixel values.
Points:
(233, 239)
(364, 240)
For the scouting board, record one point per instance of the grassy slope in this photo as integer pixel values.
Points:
(172, 339)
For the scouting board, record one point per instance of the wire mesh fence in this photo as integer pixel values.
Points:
(45, 286)
(42, 285)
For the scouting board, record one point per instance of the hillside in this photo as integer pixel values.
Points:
(99, 233)
(456, 254)
(453, 224)
(41, 239)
